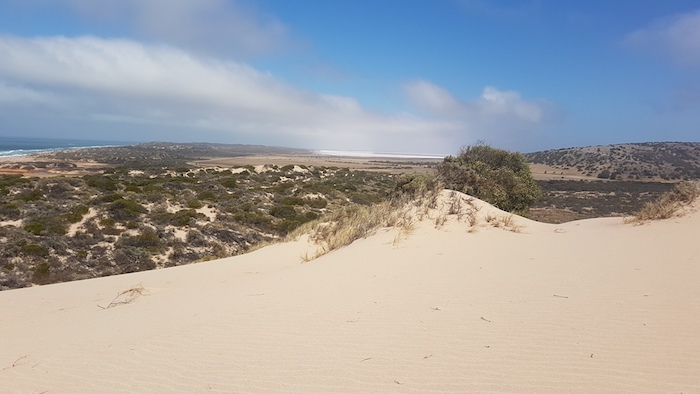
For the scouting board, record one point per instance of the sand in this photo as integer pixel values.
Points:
(589, 306)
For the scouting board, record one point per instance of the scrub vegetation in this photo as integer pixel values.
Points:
(124, 220)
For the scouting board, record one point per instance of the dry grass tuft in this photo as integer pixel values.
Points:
(353, 222)
(669, 204)
(344, 226)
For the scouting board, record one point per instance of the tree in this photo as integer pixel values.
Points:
(497, 176)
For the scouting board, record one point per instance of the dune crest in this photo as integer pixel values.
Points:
(589, 306)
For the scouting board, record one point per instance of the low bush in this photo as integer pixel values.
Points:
(496, 176)
(125, 209)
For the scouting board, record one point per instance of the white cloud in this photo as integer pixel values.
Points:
(502, 118)
(433, 98)
(225, 27)
(161, 87)
(509, 103)
(676, 37)
(493, 104)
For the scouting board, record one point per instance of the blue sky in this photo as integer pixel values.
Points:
(414, 76)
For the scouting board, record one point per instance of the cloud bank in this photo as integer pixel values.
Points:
(494, 116)
(227, 28)
(676, 38)
(152, 88)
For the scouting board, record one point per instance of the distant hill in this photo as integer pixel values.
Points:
(168, 153)
(640, 161)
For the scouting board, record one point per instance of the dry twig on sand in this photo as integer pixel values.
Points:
(14, 364)
(125, 297)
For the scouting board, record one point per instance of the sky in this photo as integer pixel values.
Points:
(409, 76)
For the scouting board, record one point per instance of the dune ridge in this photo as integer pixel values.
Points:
(597, 305)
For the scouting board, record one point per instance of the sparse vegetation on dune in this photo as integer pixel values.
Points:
(417, 198)
(669, 204)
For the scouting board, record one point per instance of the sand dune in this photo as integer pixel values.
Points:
(589, 306)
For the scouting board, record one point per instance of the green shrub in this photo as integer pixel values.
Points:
(496, 176)
(229, 182)
(195, 204)
(284, 212)
(76, 214)
(9, 211)
(31, 195)
(41, 273)
(292, 201)
(125, 209)
(7, 180)
(107, 222)
(34, 227)
(183, 217)
(416, 185)
(43, 225)
(206, 195)
(100, 182)
(109, 198)
(34, 250)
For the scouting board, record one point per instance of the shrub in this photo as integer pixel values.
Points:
(10, 211)
(148, 239)
(129, 259)
(183, 217)
(31, 195)
(11, 180)
(284, 212)
(76, 213)
(416, 185)
(229, 182)
(292, 201)
(41, 273)
(206, 195)
(195, 204)
(101, 182)
(496, 176)
(34, 250)
(317, 203)
(125, 209)
(46, 225)
(605, 174)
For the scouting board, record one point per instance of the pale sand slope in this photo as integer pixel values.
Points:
(589, 306)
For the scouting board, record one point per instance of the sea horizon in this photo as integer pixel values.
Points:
(23, 146)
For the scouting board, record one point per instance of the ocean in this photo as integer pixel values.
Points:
(18, 146)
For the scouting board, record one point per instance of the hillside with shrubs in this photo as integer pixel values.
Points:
(121, 219)
(652, 161)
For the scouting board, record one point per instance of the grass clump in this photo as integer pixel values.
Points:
(344, 226)
(347, 224)
(668, 205)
